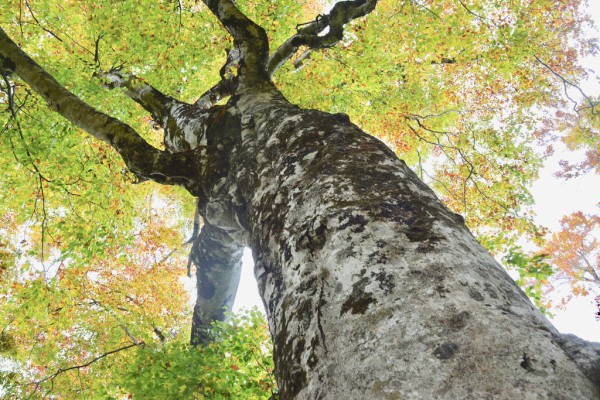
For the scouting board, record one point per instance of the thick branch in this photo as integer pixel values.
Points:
(158, 104)
(227, 84)
(309, 34)
(151, 99)
(141, 158)
(218, 265)
(249, 38)
(218, 92)
(184, 124)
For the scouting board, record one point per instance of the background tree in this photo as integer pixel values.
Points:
(463, 81)
(575, 251)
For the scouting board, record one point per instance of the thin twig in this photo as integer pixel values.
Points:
(38, 22)
(565, 82)
(87, 364)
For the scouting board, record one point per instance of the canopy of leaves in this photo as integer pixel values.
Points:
(465, 91)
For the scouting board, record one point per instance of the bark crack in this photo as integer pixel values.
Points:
(320, 304)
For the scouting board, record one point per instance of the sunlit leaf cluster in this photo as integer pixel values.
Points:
(237, 364)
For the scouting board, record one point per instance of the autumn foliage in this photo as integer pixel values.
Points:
(575, 251)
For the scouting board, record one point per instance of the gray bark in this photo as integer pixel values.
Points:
(373, 288)
(218, 261)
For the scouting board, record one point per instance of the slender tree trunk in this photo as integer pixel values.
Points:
(373, 288)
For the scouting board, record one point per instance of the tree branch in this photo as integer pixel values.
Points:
(310, 34)
(151, 99)
(38, 22)
(87, 364)
(130, 335)
(249, 38)
(479, 17)
(139, 156)
(591, 104)
(227, 84)
(225, 87)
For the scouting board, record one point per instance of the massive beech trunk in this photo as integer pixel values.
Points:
(373, 289)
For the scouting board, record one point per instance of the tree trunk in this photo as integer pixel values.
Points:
(373, 288)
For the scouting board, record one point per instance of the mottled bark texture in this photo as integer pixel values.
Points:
(373, 288)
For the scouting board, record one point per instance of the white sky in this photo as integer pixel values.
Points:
(554, 197)
(557, 197)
